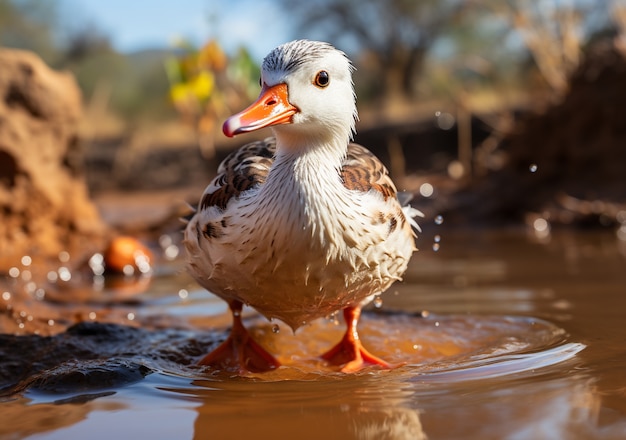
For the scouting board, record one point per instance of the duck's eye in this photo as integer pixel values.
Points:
(322, 79)
(260, 82)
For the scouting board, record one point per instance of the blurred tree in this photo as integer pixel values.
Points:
(393, 35)
(84, 42)
(554, 32)
(29, 24)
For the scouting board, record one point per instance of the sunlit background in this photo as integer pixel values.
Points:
(173, 71)
(487, 52)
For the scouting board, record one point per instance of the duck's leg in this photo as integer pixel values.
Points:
(349, 351)
(239, 350)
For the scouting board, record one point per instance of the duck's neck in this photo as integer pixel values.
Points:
(304, 185)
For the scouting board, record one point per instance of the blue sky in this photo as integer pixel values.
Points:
(140, 24)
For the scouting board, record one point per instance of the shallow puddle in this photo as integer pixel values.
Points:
(522, 339)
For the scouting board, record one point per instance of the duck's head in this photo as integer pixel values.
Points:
(306, 92)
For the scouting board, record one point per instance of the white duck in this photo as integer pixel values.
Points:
(303, 224)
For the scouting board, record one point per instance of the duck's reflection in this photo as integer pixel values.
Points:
(391, 408)
(364, 408)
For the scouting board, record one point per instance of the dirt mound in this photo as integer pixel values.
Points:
(44, 206)
(567, 162)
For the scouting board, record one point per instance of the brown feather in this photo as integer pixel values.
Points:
(239, 171)
(363, 171)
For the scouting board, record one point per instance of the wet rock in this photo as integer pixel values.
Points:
(44, 205)
(75, 376)
(92, 356)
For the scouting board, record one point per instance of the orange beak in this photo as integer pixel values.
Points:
(271, 108)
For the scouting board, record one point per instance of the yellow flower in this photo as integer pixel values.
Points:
(202, 85)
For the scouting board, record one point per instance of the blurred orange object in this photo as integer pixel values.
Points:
(128, 255)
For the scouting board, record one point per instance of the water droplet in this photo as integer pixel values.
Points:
(64, 273)
(52, 276)
(436, 247)
(540, 224)
(541, 227)
(165, 241)
(237, 313)
(437, 324)
(128, 270)
(171, 252)
(144, 267)
(130, 316)
(378, 302)
(50, 322)
(438, 219)
(142, 262)
(14, 272)
(6, 296)
(533, 167)
(26, 275)
(26, 260)
(456, 169)
(40, 294)
(96, 263)
(92, 315)
(64, 256)
(426, 189)
(445, 120)
(275, 328)
(333, 318)
(425, 314)
(21, 325)
(183, 293)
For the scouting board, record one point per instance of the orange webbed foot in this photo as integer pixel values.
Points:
(239, 351)
(349, 352)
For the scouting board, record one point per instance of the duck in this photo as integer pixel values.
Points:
(303, 224)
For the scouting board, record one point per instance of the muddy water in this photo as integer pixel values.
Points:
(523, 337)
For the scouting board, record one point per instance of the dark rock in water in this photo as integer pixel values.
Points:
(92, 356)
(73, 376)
(44, 206)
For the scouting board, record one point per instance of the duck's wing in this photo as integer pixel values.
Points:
(240, 171)
(363, 171)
